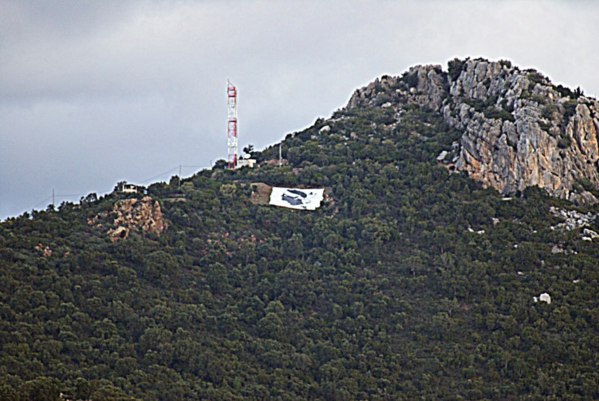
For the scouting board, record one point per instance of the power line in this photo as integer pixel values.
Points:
(40, 203)
(160, 175)
(51, 199)
(67, 195)
(179, 167)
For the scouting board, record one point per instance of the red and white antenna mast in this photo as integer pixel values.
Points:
(232, 143)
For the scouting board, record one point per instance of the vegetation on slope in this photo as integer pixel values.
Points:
(402, 286)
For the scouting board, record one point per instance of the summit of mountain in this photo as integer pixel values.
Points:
(518, 129)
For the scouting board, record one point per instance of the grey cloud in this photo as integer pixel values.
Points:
(95, 92)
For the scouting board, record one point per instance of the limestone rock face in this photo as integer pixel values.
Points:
(143, 216)
(519, 130)
(541, 138)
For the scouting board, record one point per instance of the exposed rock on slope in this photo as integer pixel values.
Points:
(44, 250)
(519, 129)
(143, 215)
(538, 136)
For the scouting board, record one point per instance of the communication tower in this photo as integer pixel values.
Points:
(232, 143)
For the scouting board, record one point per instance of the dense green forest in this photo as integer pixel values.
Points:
(410, 282)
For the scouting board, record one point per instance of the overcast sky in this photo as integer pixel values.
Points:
(94, 92)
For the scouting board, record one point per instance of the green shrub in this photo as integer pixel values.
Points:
(497, 113)
(536, 77)
(564, 92)
(455, 67)
(548, 110)
(564, 141)
(570, 110)
(410, 79)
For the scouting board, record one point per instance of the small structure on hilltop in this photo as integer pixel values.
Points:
(124, 187)
(246, 163)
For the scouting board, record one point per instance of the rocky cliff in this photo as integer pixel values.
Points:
(131, 215)
(143, 215)
(519, 129)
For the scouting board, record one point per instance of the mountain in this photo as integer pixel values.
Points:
(519, 130)
(454, 256)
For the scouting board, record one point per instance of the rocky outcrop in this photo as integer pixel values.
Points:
(134, 215)
(519, 130)
(44, 250)
(423, 85)
(572, 219)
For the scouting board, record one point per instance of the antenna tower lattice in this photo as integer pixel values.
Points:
(232, 142)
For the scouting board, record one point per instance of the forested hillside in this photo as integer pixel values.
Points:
(412, 281)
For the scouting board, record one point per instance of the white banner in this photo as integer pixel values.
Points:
(294, 198)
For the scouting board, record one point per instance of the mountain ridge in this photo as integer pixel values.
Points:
(410, 281)
(519, 129)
